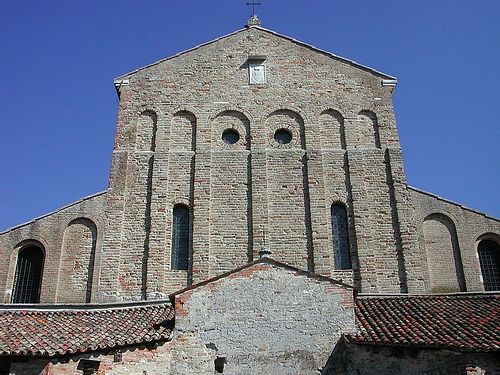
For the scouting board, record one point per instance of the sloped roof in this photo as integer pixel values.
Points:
(61, 330)
(313, 48)
(264, 260)
(439, 198)
(89, 197)
(462, 322)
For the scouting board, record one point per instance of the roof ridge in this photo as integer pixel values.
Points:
(319, 50)
(83, 307)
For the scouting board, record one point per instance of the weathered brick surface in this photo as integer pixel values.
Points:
(70, 238)
(256, 192)
(142, 361)
(264, 319)
(449, 235)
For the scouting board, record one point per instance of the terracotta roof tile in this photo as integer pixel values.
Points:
(64, 330)
(464, 322)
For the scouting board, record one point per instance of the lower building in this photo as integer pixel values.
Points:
(262, 318)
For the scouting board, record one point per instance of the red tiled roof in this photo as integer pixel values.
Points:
(61, 330)
(469, 322)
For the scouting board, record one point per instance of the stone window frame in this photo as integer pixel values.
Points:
(228, 140)
(239, 144)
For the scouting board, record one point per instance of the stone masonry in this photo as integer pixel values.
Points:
(263, 319)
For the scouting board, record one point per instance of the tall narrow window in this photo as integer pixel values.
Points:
(340, 234)
(28, 275)
(180, 238)
(489, 258)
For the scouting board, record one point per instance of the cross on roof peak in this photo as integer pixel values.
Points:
(253, 4)
(253, 20)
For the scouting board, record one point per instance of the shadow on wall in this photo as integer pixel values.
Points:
(352, 359)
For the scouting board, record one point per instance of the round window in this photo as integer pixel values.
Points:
(230, 136)
(283, 136)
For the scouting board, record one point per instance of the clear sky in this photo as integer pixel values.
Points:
(58, 104)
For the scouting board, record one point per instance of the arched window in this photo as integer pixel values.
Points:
(180, 238)
(489, 258)
(340, 234)
(28, 275)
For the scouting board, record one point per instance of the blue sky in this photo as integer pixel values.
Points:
(58, 104)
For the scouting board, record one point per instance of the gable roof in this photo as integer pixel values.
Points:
(263, 260)
(119, 79)
(62, 330)
(461, 322)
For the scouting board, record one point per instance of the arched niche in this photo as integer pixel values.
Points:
(285, 121)
(231, 129)
(145, 139)
(444, 262)
(332, 130)
(231, 190)
(76, 270)
(369, 135)
(183, 131)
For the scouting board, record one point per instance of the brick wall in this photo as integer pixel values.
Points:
(256, 190)
(70, 239)
(448, 238)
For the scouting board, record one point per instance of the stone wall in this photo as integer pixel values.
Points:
(351, 359)
(124, 361)
(263, 319)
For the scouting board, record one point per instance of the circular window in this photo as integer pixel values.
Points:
(230, 136)
(282, 136)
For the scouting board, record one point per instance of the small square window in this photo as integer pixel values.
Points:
(257, 73)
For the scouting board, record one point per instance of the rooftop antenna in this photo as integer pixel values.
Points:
(253, 20)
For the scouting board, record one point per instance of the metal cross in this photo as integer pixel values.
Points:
(253, 4)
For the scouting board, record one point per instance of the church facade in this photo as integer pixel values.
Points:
(257, 220)
(251, 141)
